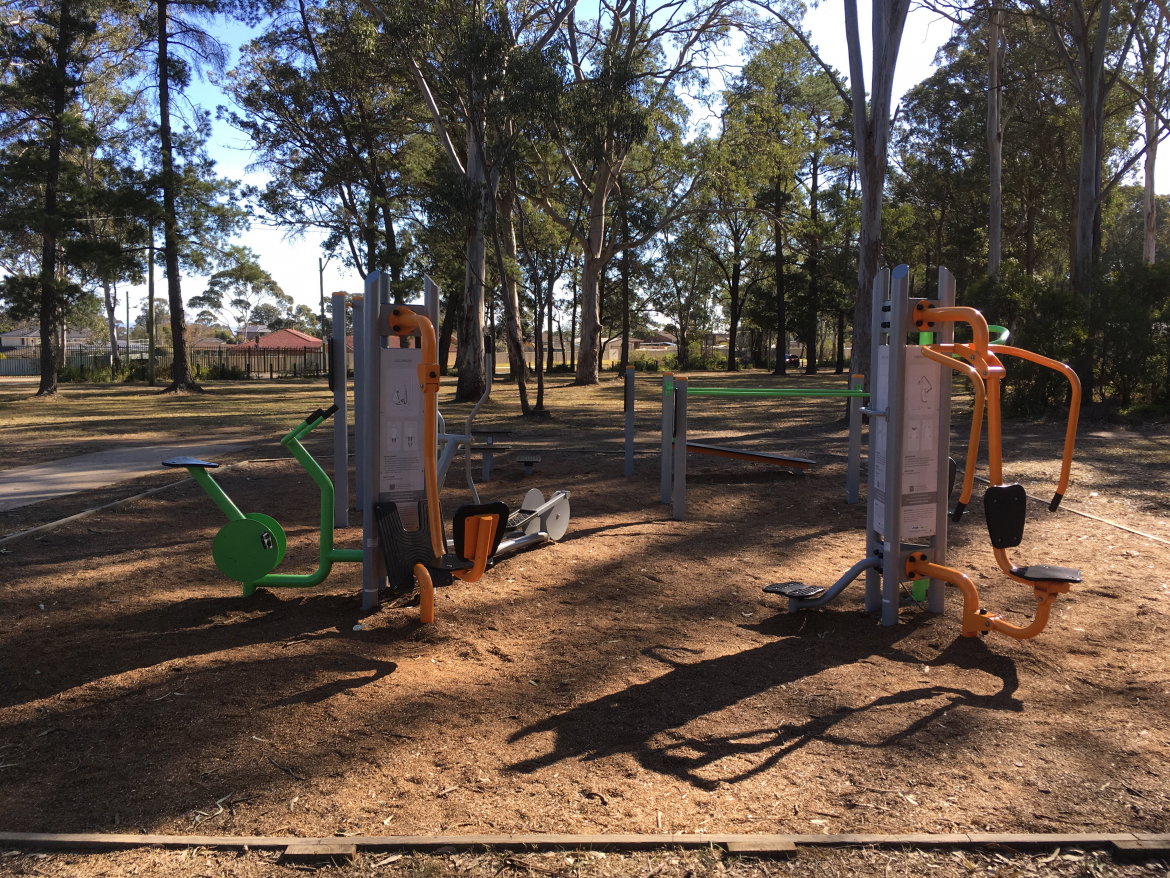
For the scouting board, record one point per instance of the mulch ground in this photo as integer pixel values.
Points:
(632, 678)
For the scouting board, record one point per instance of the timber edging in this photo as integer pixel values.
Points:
(1124, 844)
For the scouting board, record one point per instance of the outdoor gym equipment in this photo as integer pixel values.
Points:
(250, 546)
(403, 453)
(676, 446)
(911, 475)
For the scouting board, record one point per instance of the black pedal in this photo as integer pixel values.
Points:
(402, 549)
(794, 590)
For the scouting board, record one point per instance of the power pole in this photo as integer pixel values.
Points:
(150, 310)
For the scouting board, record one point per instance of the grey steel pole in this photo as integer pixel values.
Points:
(341, 417)
(667, 436)
(679, 511)
(878, 394)
(936, 596)
(372, 354)
(892, 575)
(853, 466)
(629, 420)
(360, 408)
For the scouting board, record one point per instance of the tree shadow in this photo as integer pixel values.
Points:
(637, 719)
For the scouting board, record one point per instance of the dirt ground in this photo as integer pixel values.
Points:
(632, 678)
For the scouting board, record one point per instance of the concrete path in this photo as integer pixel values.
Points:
(31, 484)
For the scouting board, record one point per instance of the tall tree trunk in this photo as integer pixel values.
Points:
(112, 324)
(573, 327)
(538, 343)
(1150, 201)
(470, 358)
(781, 304)
(50, 306)
(840, 342)
(871, 133)
(181, 379)
(625, 275)
(446, 327)
(733, 323)
(506, 265)
(549, 317)
(594, 261)
(994, 138)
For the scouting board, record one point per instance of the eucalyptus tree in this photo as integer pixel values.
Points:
(239, 289)
(792, 109)
(1149, 83)
(337, 130)
(1091, 42)
(479, 68)
(728, 168)
(619, 105)
(685, 284)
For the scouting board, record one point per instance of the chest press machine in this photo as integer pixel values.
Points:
(911, 475)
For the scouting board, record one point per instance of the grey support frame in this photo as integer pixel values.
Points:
(673, 482)
(886, 550)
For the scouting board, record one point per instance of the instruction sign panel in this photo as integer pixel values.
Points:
(401, 477)
(920, 441)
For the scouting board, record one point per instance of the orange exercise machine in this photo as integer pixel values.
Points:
(910, 471)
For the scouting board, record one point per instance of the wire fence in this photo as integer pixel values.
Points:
(237, 362)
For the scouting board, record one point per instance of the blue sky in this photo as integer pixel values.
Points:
(293, 263)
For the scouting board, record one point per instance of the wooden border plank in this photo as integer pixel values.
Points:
(746, 843)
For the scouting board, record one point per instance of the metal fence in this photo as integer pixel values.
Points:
(228, 361)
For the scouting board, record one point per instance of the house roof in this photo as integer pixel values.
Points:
(287, 338)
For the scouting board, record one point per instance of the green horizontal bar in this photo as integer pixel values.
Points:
(764, 391)
(348, 555)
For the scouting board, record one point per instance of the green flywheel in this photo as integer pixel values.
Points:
(247, 549)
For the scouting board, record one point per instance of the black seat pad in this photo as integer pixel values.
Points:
(189, 461)
(1047, 573)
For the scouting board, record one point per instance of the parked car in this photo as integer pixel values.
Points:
(792, 360)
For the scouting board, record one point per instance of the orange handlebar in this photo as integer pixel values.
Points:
(1074, 409)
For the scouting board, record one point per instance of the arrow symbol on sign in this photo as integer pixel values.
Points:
(925, 387)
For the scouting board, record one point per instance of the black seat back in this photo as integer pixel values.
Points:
(459, 523)
(1006, 507)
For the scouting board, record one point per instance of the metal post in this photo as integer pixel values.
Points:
(667, 436)
(936, 596)
(372, 576)
(679, 510)
(361, 477)
(877, 401)
(629, 420)
(341, 417)
(150, 363)
(892, 575)
(853, 465)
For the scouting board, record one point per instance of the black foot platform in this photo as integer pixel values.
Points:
(794, 590)
(1047, 573)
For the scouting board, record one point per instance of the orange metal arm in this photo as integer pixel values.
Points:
(976, 421)
(925, 317)
(1074, 409)
(426, 594)
(403, 322)
(976, 620)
